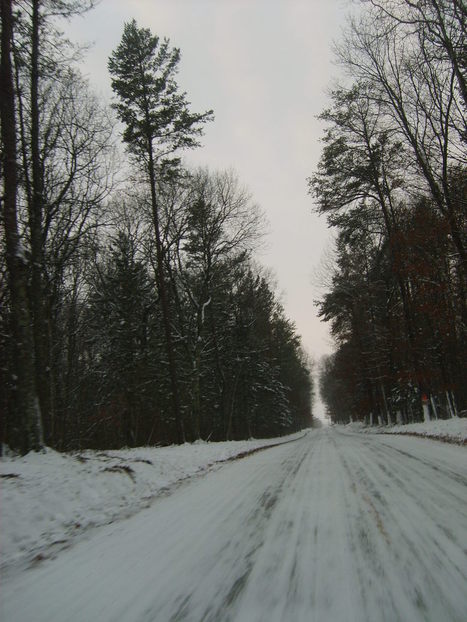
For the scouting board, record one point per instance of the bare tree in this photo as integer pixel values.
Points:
(439, 25)
(65, 144)
(417, 91)
(221, 224)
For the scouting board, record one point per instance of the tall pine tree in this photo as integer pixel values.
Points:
(157, 124)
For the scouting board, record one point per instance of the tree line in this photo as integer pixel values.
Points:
(392, 181)
(132, 308)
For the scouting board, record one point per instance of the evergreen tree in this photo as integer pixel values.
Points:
(122, 328)
(157, 124)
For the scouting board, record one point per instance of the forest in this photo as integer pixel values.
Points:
(132, 308)
(392, 182)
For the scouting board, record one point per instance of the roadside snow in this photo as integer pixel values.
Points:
(48, 499)
(335, 527)
(452, 430)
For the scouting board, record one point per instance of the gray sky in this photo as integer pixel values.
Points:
(263, 66)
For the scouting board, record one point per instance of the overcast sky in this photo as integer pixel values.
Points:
(263, 66)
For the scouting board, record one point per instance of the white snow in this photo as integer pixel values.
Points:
(47, 500)
(335, 527)
(453, 430)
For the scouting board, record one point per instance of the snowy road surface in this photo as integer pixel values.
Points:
(335, 526)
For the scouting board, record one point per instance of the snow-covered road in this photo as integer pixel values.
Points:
(335, 526)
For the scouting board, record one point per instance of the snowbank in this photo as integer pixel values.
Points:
(451, 430)
(47, 500)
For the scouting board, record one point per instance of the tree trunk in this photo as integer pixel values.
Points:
(196, 393)
(228, 436)
(165, 302)
(30, 422)
(39, 307)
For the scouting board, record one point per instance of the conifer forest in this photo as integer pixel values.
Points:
(133, 309)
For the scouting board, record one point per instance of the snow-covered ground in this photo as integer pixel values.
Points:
(451, 430)
(337, 526)
(48, 500)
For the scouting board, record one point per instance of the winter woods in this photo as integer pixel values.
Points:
(132, 312)
(392, 181)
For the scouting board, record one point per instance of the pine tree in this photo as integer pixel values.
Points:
(121, 299)
(157, 124)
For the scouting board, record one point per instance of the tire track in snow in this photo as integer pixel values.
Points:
(334, 527)
(413, 503)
